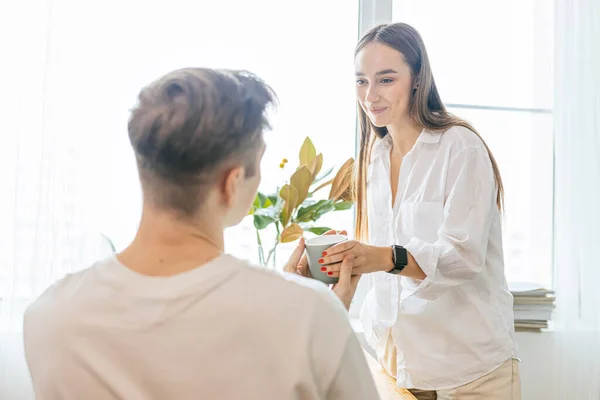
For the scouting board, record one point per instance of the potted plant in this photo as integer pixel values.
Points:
(293, 208)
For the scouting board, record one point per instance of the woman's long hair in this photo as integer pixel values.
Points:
(426, 110)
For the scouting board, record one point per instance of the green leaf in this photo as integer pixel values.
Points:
(309, 202)
(255, 205)
(304, 212)
(267, 212)
(318, 230)
(263, 200)
(314, 211)
(273, 198)
(342, 205)
(262, 221)
(323, 176)
(260, 201)
(264, 216)
(324, 209)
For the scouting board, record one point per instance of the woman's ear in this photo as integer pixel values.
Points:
(415, 87)
(231, 185)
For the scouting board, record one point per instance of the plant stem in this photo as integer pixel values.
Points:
(261, 253)
(258, 238)
(274, 249)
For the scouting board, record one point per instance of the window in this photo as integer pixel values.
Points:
(493, 65)
(310, 66)
(76, 73)
(292, 47)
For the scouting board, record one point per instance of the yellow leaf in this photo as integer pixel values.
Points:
(307, 152)
(348, 195)
(315, 166)
(342, 180)
(289, 194)
(301, 180)
(322, 185)
(291, 233)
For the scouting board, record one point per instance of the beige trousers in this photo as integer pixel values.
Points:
(503, 383)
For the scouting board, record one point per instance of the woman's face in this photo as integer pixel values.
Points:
(384, 84)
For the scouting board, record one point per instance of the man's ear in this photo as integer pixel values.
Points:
(231, 184)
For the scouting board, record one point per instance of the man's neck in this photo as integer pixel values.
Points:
(167, 246)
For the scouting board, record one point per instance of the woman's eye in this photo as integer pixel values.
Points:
(360, 82)
(386, 80)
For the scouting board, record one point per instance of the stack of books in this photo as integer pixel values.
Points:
(533, 305)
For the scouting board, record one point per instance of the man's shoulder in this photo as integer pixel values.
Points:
(291, 287)
(304, 305)
(63, 290)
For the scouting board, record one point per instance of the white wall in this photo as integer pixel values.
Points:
(560, 366)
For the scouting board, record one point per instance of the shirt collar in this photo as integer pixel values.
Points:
(429, 137)
(381, 146)
(385, 144)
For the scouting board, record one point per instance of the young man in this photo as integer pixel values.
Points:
(172, 317)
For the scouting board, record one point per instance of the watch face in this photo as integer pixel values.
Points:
(400, 257)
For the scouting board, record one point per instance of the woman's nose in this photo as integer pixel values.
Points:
(372, 95)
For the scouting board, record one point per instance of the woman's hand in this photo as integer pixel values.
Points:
(347, 283)
(366, 258)
(298, 262)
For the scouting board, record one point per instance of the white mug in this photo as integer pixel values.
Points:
(314, 251)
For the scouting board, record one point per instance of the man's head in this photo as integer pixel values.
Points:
(198, 138)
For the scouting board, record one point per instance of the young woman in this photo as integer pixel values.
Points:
(429, 199)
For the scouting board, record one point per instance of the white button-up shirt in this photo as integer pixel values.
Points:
(457, 324)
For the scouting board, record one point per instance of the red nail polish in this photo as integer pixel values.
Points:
(330, 273)
(324, 253)
(320, 261)
(323, 269)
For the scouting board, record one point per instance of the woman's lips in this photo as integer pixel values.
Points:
(377, 110)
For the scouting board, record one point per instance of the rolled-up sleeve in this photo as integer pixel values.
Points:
(459, 253)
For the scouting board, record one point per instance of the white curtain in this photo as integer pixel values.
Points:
(44, 233)
(577, 200)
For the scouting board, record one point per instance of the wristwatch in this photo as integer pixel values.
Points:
(399, 258)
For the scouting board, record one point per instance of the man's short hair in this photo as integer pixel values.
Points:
(190, 126)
